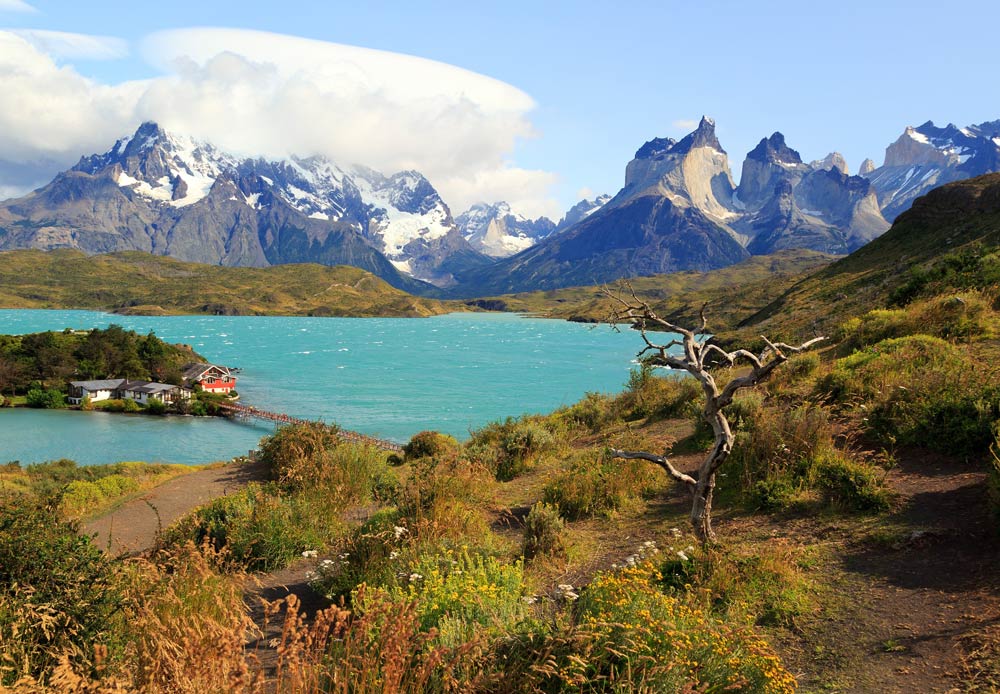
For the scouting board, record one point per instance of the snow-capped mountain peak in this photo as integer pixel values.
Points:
(498, 231)
(400, 215)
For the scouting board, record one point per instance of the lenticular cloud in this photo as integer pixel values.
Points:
(262, 94)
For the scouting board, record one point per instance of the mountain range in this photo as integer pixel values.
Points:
(679, 209)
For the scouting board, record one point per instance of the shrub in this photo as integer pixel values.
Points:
(761, 583)
(59, 595)
(918, 390)
(81, 497)
(461, 596)
(155, 406)
(955, 316)
(850, 484)
(636, 638)
(126, 405)
(430, 444)
(256, 528)
(294, 453)
(510, 448)
(373, 555)
(592, 413)
(597, 484)
(45, 398)
(543, 532)
(647, 395)
(772, 445)
(447, 497)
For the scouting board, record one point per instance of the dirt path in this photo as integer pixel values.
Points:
(132, 527)
(904, 597)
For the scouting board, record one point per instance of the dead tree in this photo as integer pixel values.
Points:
(697, 357)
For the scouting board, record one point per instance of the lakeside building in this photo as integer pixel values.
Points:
(123, 389)
(211, 377)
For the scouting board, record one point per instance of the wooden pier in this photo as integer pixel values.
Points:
(248, 412)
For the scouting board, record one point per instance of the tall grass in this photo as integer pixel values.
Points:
(919, 390)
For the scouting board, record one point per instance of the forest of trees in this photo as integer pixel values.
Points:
(51, 359)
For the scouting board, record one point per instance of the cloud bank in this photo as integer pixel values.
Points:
(262, 94)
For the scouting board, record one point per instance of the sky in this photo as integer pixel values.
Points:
(537, 103)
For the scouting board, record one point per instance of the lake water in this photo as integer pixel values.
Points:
(388, 377)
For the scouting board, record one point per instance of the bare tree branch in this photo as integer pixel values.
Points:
(696, 351)
(659, 460)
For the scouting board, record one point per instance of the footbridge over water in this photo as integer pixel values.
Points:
(248, 412)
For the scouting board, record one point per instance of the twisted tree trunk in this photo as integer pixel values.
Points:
(694, 356)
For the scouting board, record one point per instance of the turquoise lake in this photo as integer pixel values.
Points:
(387, 377)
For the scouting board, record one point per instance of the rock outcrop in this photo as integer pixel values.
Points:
(926, 157)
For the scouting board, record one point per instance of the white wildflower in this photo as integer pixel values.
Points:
(310, 554)
(683, 556)
(393, 555)
(414, 577)
(399, 531)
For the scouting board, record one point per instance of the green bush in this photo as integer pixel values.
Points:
(59, 595)
(126, 405)
(155, 406)
(918, 390)
(374, 555)
(760, 583)
(512, 447)
(597, 484)
(773, 445)
(447, 497)
(649, 396)
(962, 316)
(257, 528)
(430, 444)
(543, 533)
(592, 413)
(850, 484)
(51, 398)
(460, 595)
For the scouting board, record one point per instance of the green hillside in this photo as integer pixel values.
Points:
(134, 282)
(947, 240)
(733, 292)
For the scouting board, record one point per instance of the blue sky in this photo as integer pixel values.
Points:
(845, 76)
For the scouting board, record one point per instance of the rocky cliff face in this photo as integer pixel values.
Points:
(168, 194)
(497, 231)
(581, 210)
(926, 157)
(679, 210)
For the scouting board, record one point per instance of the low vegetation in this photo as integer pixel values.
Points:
(79, 492)
(530, 558)
(140, 283)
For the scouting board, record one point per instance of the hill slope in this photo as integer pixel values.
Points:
(956, 226)
(143, 283)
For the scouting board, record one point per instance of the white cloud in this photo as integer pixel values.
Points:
(63, 44)
(685, 125)
(256, 93)
(586, 193)
(55, 114)
(16, 6)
